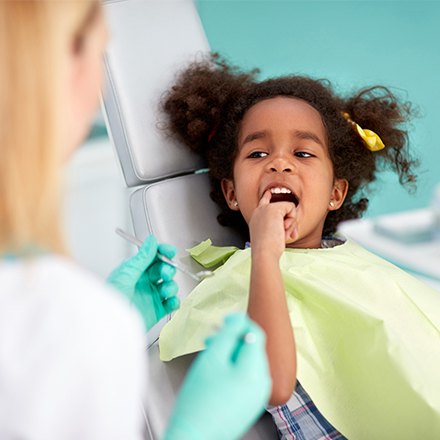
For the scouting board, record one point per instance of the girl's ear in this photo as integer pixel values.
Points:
(339, 192)
(229, 193)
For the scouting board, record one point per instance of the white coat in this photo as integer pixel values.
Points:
(72, 355)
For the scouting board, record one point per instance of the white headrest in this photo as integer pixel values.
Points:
(150, 41)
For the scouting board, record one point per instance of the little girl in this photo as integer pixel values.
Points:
(288, 160)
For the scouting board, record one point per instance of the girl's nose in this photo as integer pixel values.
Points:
(280, 165)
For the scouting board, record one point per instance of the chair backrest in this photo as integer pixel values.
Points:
(180, 211)
(150, 41)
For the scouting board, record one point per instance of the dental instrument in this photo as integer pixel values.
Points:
(199, 276)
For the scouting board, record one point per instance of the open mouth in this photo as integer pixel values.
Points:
(281, 194)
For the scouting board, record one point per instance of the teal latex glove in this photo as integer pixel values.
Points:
(226, 388)
(148, 282)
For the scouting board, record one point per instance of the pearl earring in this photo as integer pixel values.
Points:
(332, 204)
(236, 204)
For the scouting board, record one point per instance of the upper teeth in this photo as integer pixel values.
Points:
(280, 191)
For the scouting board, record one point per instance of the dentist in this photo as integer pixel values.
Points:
(72, 357)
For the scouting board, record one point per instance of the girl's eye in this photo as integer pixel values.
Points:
(257, 154)
(303, 154)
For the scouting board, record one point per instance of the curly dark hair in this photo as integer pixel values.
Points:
(210, 98)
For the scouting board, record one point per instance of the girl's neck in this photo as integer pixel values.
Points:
(306, 243)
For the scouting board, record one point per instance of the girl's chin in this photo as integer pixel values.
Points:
(291, 241)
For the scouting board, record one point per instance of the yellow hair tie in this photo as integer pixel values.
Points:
(371, 140)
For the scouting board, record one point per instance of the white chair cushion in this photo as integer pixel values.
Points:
(150, 41)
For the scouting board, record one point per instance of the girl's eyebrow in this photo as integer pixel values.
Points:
(299, 134)
(254, 136)
(308, 135)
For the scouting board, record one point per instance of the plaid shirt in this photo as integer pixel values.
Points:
(299, 419)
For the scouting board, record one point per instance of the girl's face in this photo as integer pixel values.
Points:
(282, 146)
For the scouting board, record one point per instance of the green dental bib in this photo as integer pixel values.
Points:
(367, 335)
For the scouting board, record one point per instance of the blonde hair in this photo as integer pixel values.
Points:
(35, 39)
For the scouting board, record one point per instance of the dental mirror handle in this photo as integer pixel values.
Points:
(132, 239)
(137, 242)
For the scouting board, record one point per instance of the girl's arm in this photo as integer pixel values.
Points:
(267, 300)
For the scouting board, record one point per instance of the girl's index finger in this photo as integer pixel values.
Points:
(265, 200)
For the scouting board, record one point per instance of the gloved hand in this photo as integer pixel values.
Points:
(148, 282)
(227, 386)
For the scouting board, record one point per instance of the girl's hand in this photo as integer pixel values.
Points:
(272, 225)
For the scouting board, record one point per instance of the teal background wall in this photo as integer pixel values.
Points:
(353, 44)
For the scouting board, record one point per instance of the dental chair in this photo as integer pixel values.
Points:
(150, 40)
